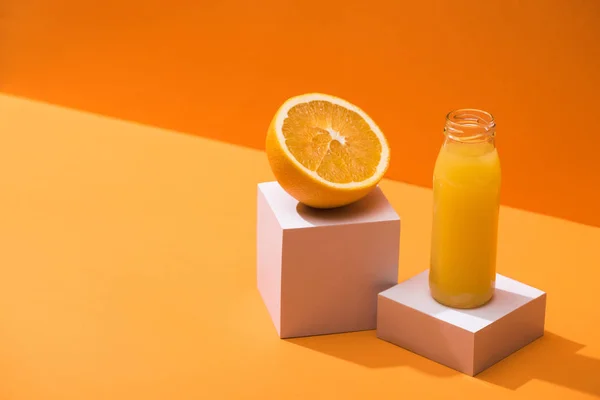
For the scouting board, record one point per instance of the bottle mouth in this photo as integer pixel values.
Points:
(470, 125)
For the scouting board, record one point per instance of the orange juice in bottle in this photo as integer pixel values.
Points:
(466, 189)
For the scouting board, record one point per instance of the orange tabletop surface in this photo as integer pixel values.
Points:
(128, 272)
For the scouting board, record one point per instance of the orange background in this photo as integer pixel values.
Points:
(127, 252)
(221, 68)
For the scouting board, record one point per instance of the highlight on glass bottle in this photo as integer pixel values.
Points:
(466, 203)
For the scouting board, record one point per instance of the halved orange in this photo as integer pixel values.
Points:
(325, 151)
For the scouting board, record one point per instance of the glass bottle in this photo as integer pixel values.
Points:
(466, 202)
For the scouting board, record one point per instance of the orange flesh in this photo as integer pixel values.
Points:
(310, 132)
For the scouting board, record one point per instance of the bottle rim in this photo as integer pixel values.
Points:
(470, 125)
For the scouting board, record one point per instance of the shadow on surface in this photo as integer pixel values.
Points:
(370, 205)
(552, 359)
(502, 303)
(364, 348)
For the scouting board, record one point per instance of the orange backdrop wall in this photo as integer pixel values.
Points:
(221, 68)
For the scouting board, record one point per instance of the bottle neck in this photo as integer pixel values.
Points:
(470, 127)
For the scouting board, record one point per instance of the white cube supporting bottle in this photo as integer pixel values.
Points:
(467, 340)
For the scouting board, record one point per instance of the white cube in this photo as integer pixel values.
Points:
(320, 271)
(469, 340)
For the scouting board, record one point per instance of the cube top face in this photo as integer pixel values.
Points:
(509, 296)
(292, 215)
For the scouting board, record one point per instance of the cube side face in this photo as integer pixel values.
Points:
(269, 238)
(332, 275)
(425, 335)
(510, 333)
